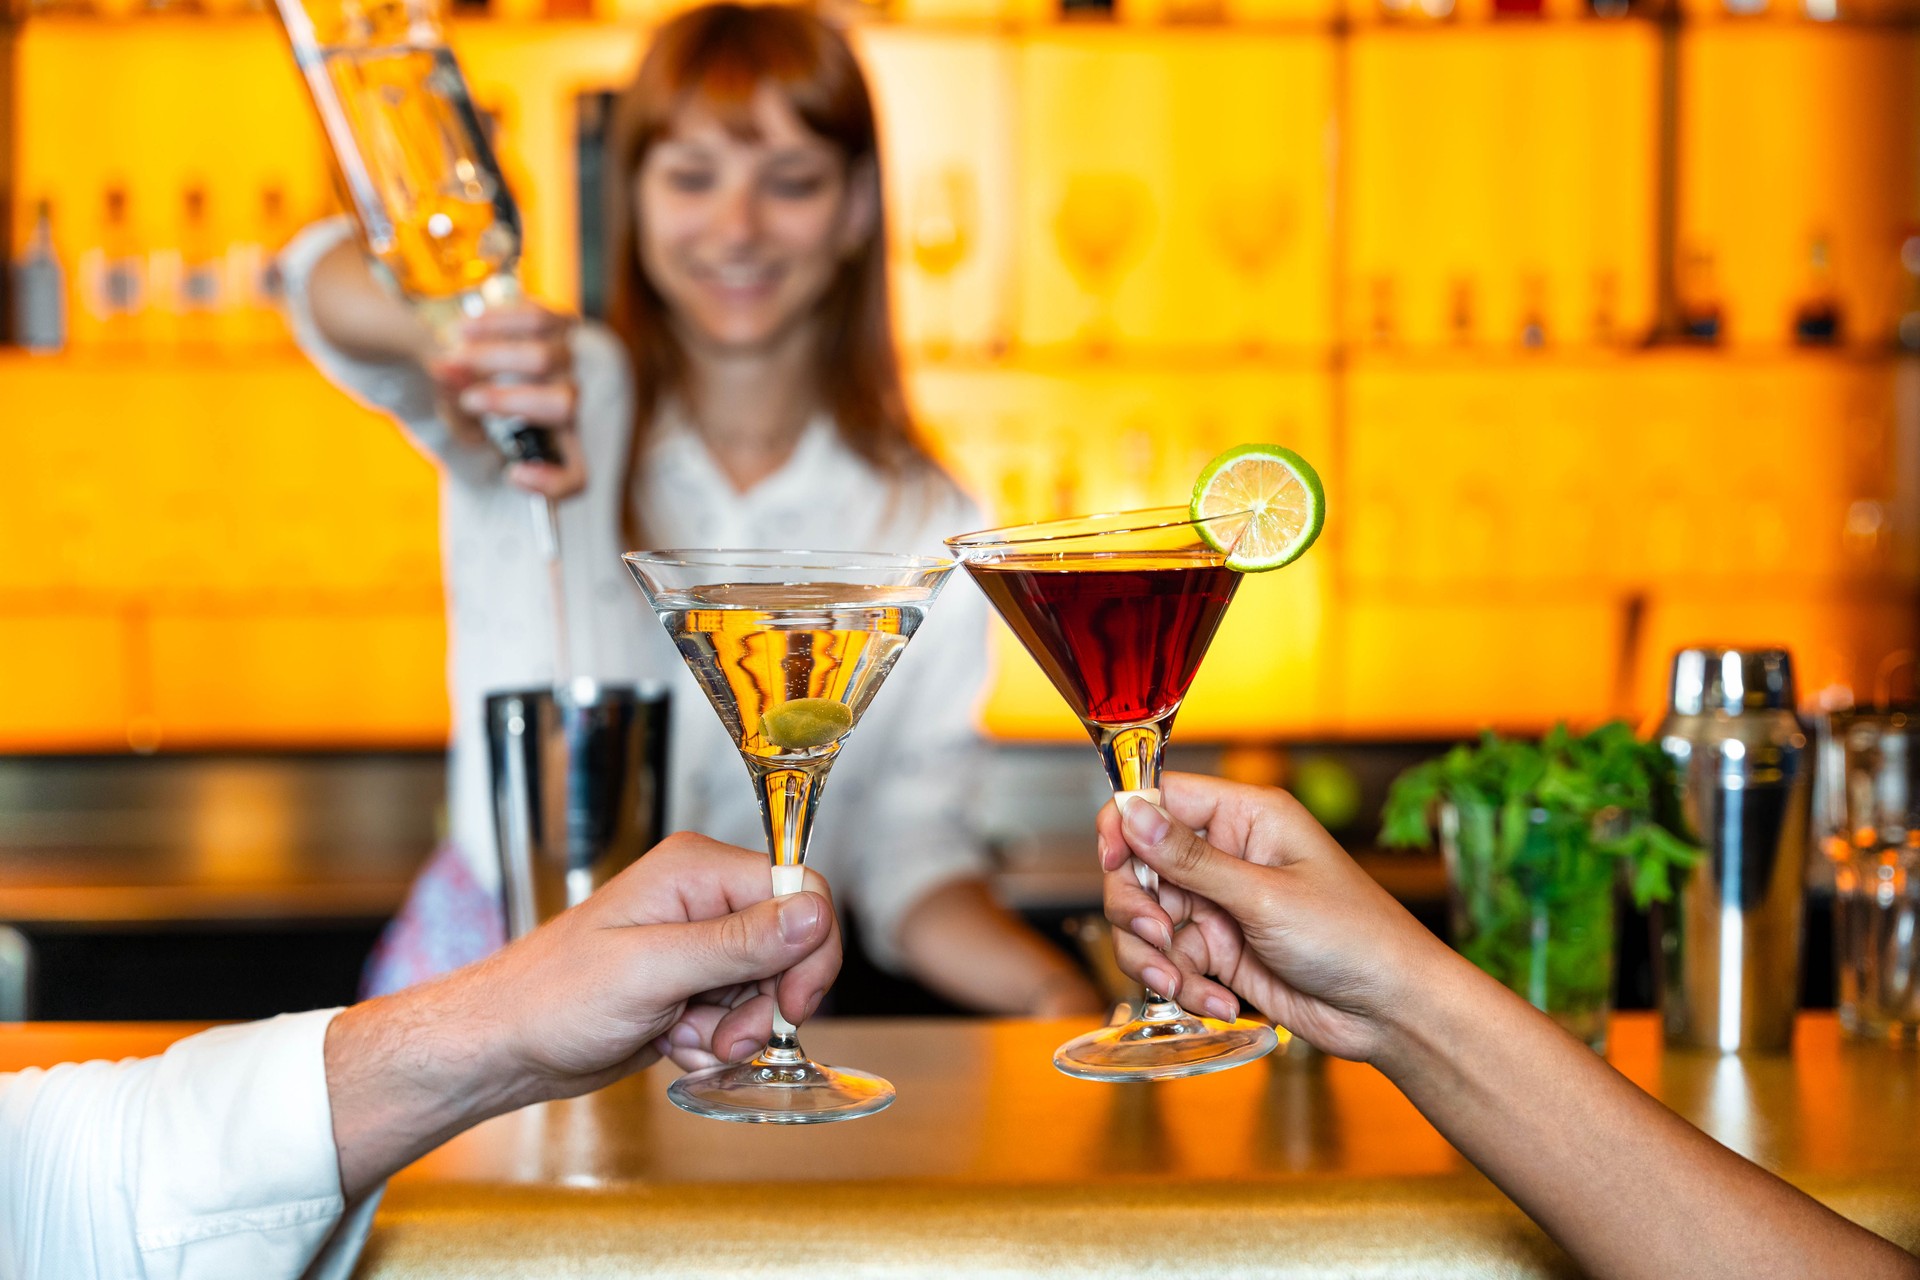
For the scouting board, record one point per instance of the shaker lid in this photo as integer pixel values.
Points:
(1710, 678)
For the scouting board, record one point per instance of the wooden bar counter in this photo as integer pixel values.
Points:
(991, 1163)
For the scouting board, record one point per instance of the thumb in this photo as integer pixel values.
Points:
(1182, 857)
(762, 941)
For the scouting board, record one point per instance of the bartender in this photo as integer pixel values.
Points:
(745, 394)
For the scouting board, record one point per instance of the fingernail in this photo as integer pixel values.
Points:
(811, 1006)
(473, 400)
(1160, 981)
(1145, 821)
(741, 1050)
(1222, 1008)
(799, 916)
(684, 1036)
(1153, 931)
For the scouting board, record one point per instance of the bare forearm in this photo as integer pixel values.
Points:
(405, 1073)
(964, 945)
(1625, 1186)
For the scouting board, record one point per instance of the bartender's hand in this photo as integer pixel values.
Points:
(1268, 906)
(515, 362)
(1273, 908)
(683, 952)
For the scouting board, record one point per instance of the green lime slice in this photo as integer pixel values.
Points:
(806, 723)
(1281, 491)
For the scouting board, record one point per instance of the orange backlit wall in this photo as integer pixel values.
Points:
(1278, 223)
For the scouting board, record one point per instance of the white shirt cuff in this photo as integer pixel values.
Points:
(235, 1170)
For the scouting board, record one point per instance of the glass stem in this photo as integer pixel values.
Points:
(1132, 756)
(788, 799)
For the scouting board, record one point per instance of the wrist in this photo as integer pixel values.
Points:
(1421, 1020)
(405, 1072)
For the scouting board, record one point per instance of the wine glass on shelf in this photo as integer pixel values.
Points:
(1118, 610)
(1101, 220)
(940, 233)
(1251, 221)
(790, 647)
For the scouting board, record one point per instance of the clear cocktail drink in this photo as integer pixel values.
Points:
(790, 648)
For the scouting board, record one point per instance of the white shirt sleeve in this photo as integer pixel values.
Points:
(215, 1159)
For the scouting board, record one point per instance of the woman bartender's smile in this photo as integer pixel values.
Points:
(744, 228)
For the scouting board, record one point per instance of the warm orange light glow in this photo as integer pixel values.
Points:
(1424, 255)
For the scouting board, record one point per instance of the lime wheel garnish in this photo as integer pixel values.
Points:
(1281, 495)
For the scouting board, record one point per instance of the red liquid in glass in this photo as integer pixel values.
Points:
(1120, 637)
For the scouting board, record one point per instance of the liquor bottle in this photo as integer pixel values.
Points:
(198, 295)
(1086, 10)
(1610, 8)
(1816, 321)
(1460, 312)
(114, 276)
(1606, 307)
(1533, 311)
(1906, 331)
(1700, 318)
(1519, 8)
(426, 188)
(253, 285)
(40, 289)
(1380, 325)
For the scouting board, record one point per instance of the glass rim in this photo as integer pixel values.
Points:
(1074, 528)
(772, 558)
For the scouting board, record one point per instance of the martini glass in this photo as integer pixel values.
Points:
(1118, 610)
(790, 647)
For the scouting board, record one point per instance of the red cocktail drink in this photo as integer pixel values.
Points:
(1118, 611)
(1121, 641)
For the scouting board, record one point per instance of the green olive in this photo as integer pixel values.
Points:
(805, 723)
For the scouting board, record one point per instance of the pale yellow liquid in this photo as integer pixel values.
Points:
(426, 168)
(754, 647)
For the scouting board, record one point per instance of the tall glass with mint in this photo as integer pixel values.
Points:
(1536, 837)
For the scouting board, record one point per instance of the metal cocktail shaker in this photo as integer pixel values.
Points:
(1743, 776)
(579, 790)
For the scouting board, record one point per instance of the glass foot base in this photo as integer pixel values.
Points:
(763, 1092)
(1168, 1048)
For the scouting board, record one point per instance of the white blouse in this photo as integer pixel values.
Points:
(214, 1160)
(898, 818)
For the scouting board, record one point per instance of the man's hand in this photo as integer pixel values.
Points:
(685, 951)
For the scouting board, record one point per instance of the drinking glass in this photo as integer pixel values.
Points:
(1118, 610)
(790, 647)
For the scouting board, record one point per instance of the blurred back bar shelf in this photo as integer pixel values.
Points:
(1603, 332)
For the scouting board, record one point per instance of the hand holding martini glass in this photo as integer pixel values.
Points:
(1118, 610)
(790, 647)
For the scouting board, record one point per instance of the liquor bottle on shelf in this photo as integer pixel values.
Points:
(1816, 321)
(1460, 311)
(1533, 311)
(253, 285)
(198, 296)
(1699, 302)
(1606, 308)
(1519, 8)
(114, 277)
(40, 289)
(1380, 326)
(1906, 325)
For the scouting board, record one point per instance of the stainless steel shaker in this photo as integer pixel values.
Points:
(579, 790)
(1743, 775)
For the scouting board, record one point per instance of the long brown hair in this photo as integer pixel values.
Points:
(719, 55)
